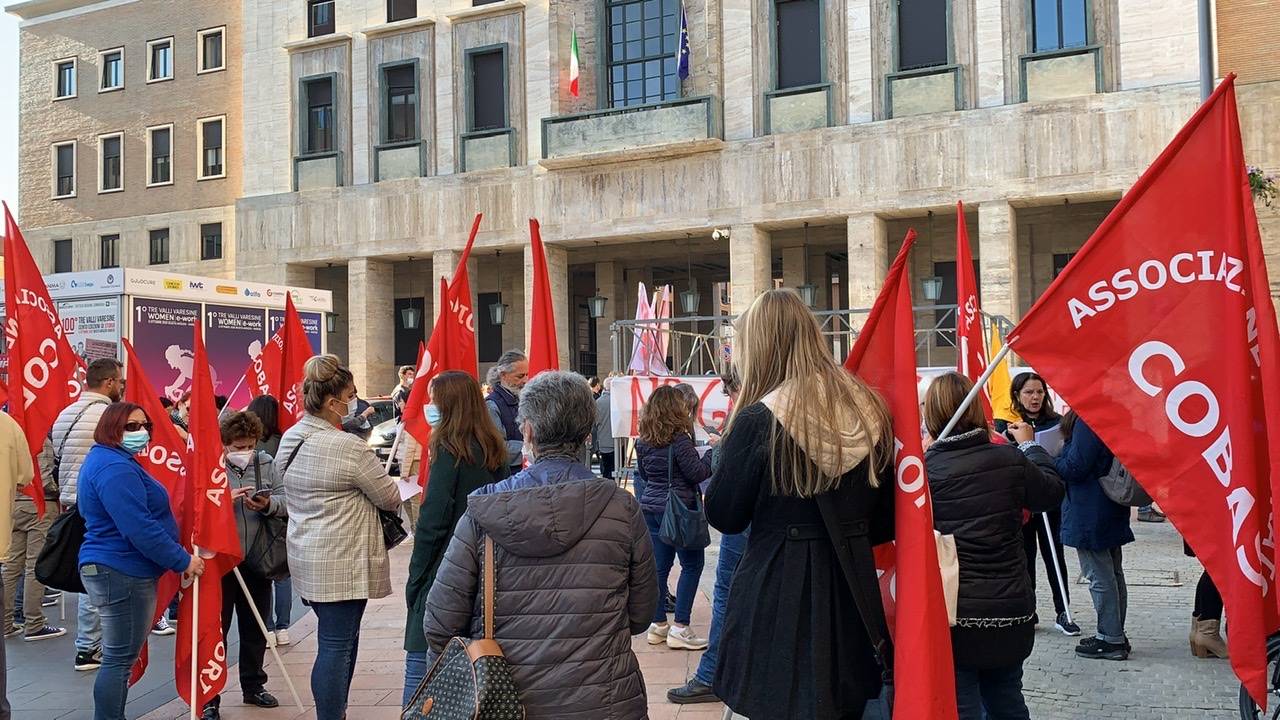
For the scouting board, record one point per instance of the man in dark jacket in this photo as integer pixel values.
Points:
(506, 378)
(575, 556)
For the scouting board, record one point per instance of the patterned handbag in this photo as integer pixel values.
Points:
(471, 679)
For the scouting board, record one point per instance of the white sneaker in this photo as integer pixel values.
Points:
(658, 633)
(682, 638)
(162, 627)
(282, 637)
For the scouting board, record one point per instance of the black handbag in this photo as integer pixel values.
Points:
(682, 526)
(393, 532)
(268, 554)
(471, 679)
(58, 565)
(866, 596)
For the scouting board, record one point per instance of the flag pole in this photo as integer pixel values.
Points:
(195, 624)
(1057, 569)
(270, 638)
(234, 390)
(391, 456)
(973, 392)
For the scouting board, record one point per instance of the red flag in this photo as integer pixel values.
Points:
(278, 369)
(1173, 361)
(213, 532)
(43, 367)
(971, 347)
(165, 459)
(885, 357)
(543, 353)
(415, 421)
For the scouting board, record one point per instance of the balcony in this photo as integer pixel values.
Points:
(399, 160)
(487, 149)
(922, 91)
(796, 109)
(675, 127)
(1061, 73)
(319, 170)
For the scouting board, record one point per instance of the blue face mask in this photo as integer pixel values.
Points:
(433, 415)
(135, 441)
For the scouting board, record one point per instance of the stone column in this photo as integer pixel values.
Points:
(868, 242)
(794, 272)
(371, 314)
(998, 258)
(989, 38)
(739, 64)
(608, 284)
(443, 263)
(558, 275)
(750, 265)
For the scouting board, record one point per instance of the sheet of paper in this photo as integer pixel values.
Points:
(1051, 440)
(408, 487)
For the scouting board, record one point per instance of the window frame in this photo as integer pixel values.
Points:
(75, 78)
(200, 123)
(410, 17)
(151, 246)
(221, 31)
(384, 102)
(71, 256)
(468, 56)
(119, 134)
(311, 29)
(896, 29)
(115, 250)
(102, 66)
(203, 254)
(304, 115)
(151, 44)
(604, 84)
(53, 162)
(1090, 34)
(822, 47)
(150, 180)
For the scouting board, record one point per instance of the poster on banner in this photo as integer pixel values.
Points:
(92, 327)
(162, 336)
(311, 322)
(234, 337)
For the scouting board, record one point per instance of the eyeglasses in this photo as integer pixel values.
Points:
(136, 426)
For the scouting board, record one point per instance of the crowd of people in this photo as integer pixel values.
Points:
(798, 482)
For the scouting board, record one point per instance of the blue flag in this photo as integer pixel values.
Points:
(682, 51)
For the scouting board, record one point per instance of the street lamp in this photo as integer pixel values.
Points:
(807, 290)
(331, 322)
(932, 287)
(410, 316)
(498, 311)
(691, 299)
(596, 305)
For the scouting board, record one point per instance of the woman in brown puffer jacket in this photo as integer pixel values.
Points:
(575, 571)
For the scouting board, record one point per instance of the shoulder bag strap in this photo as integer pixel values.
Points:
(288, 463)
(671, 464)
(871, 612)
(62, 445)
(490, 573)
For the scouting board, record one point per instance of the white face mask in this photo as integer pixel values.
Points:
(350, 408)
(240, 458)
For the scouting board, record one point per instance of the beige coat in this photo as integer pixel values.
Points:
(15, 462)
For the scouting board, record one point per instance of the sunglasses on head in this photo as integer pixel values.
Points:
(136, 426)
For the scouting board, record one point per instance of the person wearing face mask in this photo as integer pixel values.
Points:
(130, 540)
(334, 486)
(256, 493)
(507, 378)
(179, 413)
(467, 453)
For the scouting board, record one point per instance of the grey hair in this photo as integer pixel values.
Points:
(560, 410)
(506, 363)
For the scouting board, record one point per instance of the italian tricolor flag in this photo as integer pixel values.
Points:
(573, 64)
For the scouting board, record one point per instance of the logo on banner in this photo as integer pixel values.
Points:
(111, 279)
(226, 289)
(253, 293)
(172, 284)
(195, 285)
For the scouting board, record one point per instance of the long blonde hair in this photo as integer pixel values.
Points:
(777, 340)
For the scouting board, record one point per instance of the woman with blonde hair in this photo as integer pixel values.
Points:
(793, 645)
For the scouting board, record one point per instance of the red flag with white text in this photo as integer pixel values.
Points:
(1172, 361)
(211, 514)
(543, 351)
(971, 344)
(279, 368)
(911, 585)
(43, 368)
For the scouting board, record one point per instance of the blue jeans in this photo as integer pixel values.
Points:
(283, 605)
(664, 556)
(415, 668)
(731, 549)
(125, 604)
(1104, 569)
(88, 624)
(338, 638)
(991, 694)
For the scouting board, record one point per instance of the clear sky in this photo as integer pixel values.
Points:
(9, 109)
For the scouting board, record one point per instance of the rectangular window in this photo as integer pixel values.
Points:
(64, 170)
(62, 256)
(112, 64)
(160, 60)
(211, 241)
(108, 251)
(798, 43)
(110, 162)
(64, 79)
(641, 51)
(1059, 24)
(160, 155)
(319, 17)
(400, 86)
(478, 3)
(401, 10)
(209, 47)
(922, 34)
(159, 246)
(488, 90)
(318, 95)
(209, 134)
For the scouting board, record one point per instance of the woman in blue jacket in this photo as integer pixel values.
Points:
(130, 540)
(1097, 528)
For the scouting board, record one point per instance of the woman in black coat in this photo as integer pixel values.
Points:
(980, 492)
(792, 645)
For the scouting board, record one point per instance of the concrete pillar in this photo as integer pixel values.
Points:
(998, 258)
(739, 66)
(608, 284)
(989, 39)
(750, 265)
(794, 270)
(868, 242)
(558, 275)
(371, 314)
(443, 263)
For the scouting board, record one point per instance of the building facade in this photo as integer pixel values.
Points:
(807, 137)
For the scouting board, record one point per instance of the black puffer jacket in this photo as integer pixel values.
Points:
(979, 491)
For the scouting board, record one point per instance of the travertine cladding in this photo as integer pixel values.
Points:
(505, 29)
(416, 45)
(370, 300)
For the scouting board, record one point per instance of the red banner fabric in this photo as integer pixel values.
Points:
(971, 346)
(885, 358)
(1161, 334)
(543, 351)
(278, 369)
(43, 368)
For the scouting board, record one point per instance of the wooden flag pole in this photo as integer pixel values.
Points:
(234, 390)
(195, 613)
(270, 638)
(973, 392)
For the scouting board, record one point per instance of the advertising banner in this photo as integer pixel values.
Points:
(163, 331)
(92, 327)
(234, 336)
(312, 322)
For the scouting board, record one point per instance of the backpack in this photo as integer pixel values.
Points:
(58, 565)
(1120, 487)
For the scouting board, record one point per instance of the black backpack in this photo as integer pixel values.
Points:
(58, 565)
